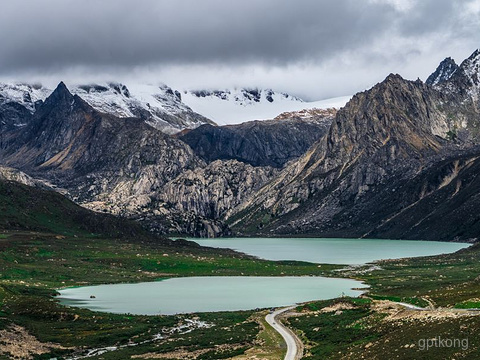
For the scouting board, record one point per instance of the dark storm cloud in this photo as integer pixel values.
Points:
(48, 35)
(311, 48)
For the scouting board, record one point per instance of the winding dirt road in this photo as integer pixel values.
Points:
(294, 351)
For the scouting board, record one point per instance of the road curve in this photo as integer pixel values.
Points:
(410, 306)
(293, 351)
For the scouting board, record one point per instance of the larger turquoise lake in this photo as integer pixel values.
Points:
(332, 251)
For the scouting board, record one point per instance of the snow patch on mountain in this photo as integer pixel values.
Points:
(471, 68)
(158, 105)
(240, 105)
(25, 94)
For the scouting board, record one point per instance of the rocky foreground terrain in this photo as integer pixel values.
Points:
(399, 161)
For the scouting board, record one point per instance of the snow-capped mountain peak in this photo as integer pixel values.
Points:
(464, 80)
(444, 71)
(24, 94)
(471, 68)
(158, 105)
(233, 106)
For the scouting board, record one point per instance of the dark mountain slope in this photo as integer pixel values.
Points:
(91, 153)
(258, 143)
(439, 202)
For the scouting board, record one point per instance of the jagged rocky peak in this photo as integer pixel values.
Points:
(444, 72)
(58, 104)
(471, 67)
(464, 83)
(395, 111)
(61, 94)
(472, 60)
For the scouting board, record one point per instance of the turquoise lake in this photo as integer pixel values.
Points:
(332, 251)
(206, 294)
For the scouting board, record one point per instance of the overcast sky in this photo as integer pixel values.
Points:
(311, 48)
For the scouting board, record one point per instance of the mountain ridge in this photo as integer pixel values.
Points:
(386, 134)
(159, 106)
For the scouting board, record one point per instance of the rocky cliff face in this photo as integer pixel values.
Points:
(215, 190)
(382, 136)
(260, 143)
(193, 203)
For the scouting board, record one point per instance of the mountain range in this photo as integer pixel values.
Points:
(159, 106)
(397, 161)
(162, 107)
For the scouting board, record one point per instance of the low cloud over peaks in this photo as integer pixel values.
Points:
(251, 40)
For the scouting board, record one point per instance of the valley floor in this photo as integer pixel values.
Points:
(33, 325)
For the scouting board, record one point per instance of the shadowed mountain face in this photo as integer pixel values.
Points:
(383, 148)
(68, 137)
(438, 203)
(259, 143)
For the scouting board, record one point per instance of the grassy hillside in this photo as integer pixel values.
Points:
(28, 208)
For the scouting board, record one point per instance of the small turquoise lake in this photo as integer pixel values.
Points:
(207, 294)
